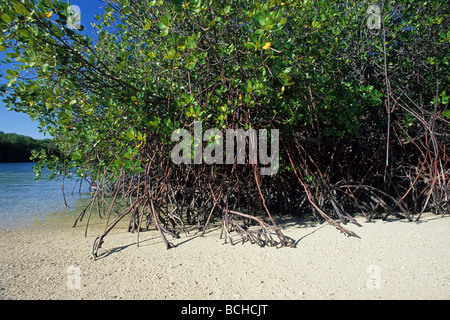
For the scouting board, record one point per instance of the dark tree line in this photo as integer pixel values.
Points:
(17, 148)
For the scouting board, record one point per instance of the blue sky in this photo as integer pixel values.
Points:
(20, 123)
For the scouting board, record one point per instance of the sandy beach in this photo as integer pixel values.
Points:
(394, 259)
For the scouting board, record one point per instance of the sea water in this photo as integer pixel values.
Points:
(25, 202)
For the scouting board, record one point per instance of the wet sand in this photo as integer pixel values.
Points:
(393, 259)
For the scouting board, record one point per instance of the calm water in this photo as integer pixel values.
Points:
(25, 202)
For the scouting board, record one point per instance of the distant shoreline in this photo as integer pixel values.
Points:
(21, 161)
(17, 148)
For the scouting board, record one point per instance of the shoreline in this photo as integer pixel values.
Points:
(394, 259)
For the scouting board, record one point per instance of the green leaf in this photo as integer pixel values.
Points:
(24, 33)
(12, 54)
(6, 18)
(194, 11)
(11, 73)
(285, 79)
(170, 55)
(446, 114)
(139, 169)
(130, 134)
(19, 8)
(259, 16)
(250, 45)
(76, 155)
(161, 25)
(89, 109)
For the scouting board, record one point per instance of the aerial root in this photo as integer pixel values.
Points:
(263, 236)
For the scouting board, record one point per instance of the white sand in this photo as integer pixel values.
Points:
(392, 260)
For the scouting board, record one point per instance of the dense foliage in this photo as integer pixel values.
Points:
(361, 108)
(19, 148)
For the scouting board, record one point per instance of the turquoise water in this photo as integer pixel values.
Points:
(25, 202)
